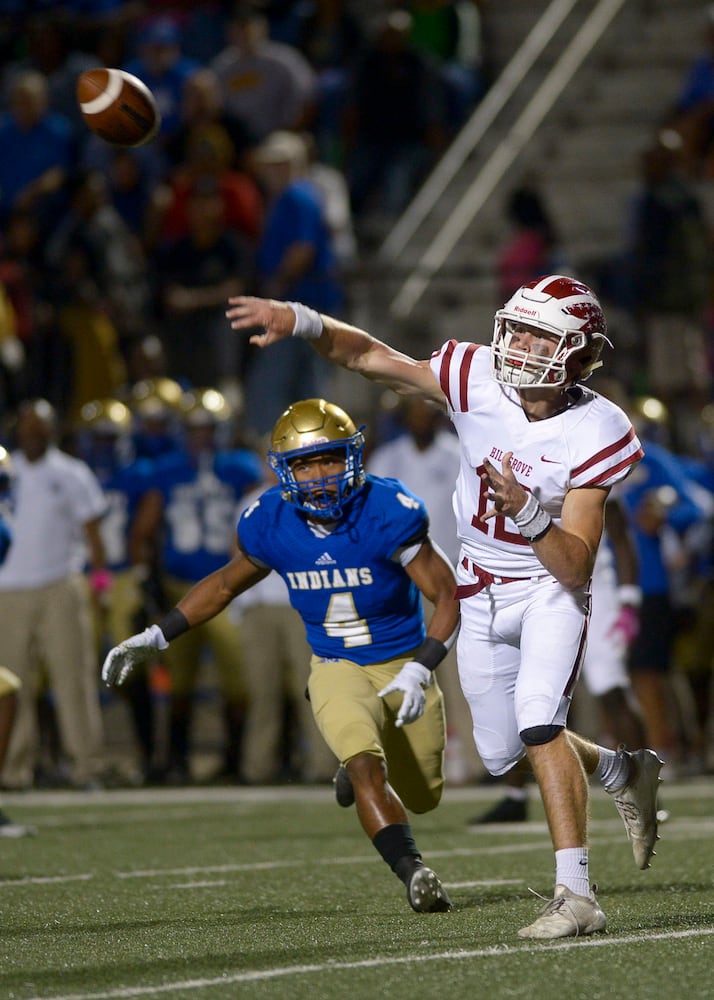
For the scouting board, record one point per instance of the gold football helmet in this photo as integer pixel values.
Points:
(105, 416)
(309, 427)
(204, 408)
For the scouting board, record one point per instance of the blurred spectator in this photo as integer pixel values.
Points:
(102, 290)
(51, 51)
(160, 64)
(395, 131)
(189, 513)
(104, 443)
(12, 353)
(26, 281)
(268, 85)
(450, 32)
(42, 144)
(532, 248)
(332, 185)
(130, 190)
(693, 112)
(275, 657)
(203, 116)
(670, 262)
(295, 260)
(331, 38)
(210, 156)
(45, 596)
(426, 459)
(198, 273)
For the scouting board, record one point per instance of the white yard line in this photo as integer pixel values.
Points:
(261, 975)
(690, 829)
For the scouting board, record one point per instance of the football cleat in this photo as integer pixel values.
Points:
(636, 803)
(344, 792)
(425, 892)
(15, 830)
(566, 915)
(508, 810)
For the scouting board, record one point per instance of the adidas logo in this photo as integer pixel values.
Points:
(325, 560)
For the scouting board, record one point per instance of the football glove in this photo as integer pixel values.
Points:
(137, 649)
(411, 679)
(626, 625)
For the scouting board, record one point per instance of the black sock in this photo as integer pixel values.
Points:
(396, 845)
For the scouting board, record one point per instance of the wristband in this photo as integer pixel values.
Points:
(630, 593)
(431, 652)
(532, 520)
(174, 624)
(308, 322)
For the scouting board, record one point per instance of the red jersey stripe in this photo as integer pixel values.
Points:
(630, 460)
(464, 376)
(604, 453)
(444, 370)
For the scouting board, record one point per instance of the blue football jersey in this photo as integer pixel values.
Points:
(200, 503)
(123, 487)
(353, 595)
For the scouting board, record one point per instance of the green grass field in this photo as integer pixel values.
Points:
(276, 893)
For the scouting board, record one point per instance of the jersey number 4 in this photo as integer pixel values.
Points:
(495, 526)
(342, 621)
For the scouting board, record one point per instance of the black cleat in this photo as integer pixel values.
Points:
(508, 810)
(425, 892)
(344, 792)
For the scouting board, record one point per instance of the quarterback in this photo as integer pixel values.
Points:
(355, 553)
(539, 454)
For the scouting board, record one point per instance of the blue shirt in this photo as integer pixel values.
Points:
(355, 598)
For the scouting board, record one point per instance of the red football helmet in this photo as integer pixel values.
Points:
(561, 306)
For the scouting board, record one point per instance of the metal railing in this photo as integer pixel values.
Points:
(543, 99)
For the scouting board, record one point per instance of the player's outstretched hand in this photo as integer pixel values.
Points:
(121, 660)
(411, 679)
(277, 319)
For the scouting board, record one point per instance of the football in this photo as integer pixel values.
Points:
(118, 107)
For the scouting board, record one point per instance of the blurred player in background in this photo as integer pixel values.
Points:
(539, 454)
(185, 523)
(104, 442)
(354, 552)
(9, 682)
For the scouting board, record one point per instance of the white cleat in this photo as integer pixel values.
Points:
(636, 803)
(566, 915)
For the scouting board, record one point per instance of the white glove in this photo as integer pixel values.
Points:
(410, 680)
(121, 660)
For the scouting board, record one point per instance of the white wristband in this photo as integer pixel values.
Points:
(630, 593)
(308, 322)
(531, 520)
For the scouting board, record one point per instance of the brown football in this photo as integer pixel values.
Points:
(119, 107)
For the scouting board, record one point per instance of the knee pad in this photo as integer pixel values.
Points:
(536, 736)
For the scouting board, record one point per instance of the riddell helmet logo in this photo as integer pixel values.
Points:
(528, 312)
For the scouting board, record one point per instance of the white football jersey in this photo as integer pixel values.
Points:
(591, 443)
